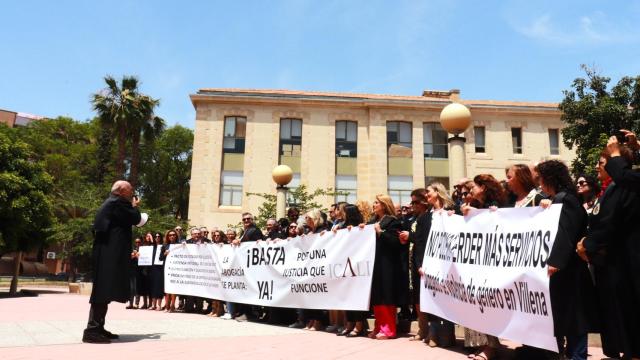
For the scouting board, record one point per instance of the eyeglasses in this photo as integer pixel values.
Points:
(247, 219)
(173, 235)
(293, 226)
(581, 183)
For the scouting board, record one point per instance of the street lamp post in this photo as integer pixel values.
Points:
(282, 175)
(456, 118)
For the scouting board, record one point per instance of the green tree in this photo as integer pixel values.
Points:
(25, 210)
(166, 171)
(146, 124)
(299, 198)
(116, 106)
(592, 113)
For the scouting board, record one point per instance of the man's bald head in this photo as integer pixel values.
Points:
(122, 188)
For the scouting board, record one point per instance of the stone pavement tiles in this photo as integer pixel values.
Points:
(50, 326)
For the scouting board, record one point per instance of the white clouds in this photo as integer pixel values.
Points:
(592, 29)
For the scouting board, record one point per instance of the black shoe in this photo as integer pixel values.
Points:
(93, 337)
(109, 334)
(242, 318)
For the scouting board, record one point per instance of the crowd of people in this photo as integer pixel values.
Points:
(593, 267)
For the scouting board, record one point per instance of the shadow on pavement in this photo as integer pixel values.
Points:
(29, 293)
(125, 338)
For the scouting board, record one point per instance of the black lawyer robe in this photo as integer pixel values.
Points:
(571, 287)
(112, 250)
(418, 234)
(613, 247)
(390, 280)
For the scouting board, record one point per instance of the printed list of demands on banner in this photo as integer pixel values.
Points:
(193, 269)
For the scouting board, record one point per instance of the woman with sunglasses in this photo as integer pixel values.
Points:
(612, 247)
(217, 306)
(588, 190)
(156, 276)
(170, 237)
(417, 235)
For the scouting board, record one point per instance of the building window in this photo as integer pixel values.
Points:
(479, 137)
(398, 134)
(234, 134)
(400, 188)
(290, 137)
(231, 188)
(554, 141)
(346, 184)
(346, 139)
(293, 186)
(435, 141)
(516, 140)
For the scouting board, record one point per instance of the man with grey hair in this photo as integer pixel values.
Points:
(111, 256)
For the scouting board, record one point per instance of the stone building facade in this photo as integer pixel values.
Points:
(362, 144)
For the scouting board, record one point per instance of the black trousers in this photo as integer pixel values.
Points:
(97, 313)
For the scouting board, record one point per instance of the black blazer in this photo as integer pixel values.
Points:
(252, 233)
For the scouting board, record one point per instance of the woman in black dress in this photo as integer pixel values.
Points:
(356, 325)
(389, 284)
(612, 246)
(142, 279)
(170, 237)
(156, 276)
(570, 284)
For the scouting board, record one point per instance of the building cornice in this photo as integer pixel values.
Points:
(347, 100)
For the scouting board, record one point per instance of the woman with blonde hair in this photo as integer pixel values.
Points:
(389, 285)
(365, 209)
(316, 224)
(441, 332)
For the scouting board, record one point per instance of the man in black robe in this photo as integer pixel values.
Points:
(111, 256)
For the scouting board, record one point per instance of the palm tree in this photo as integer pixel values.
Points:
(147, 125)
(116, 106)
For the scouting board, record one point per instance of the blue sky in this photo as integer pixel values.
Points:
(55, 53)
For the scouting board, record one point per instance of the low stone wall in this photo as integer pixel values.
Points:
(81, 288)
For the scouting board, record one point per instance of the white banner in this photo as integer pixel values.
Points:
(156, 259)
(488, 272)
(332, 271)
(145, 256)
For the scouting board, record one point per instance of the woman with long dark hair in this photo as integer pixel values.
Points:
(486, 193)
(570, 284)
(170, 237)
(356, 320)
(588, 190)
(156, 276)
(521, 184)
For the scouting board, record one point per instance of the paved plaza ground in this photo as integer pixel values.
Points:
(49, 326)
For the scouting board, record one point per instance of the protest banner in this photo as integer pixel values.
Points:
(156, 259)
(145, 256)
(487, 272)
(329, 271)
